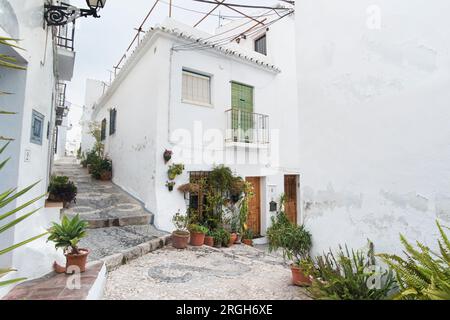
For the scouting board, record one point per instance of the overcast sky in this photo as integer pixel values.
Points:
(100, 43)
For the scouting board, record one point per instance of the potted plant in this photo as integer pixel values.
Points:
(296, 243)
(175, 170)
(209, 239)
(167, 156)
(218, 238)
(170, 185)
(61, 189)
(226, 238)
(66, 236)
(102, 169)
(180, 237)
(247, 237)
(198, 234)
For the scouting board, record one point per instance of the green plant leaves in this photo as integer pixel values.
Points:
(69, 233)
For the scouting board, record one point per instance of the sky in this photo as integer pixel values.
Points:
(100, 43)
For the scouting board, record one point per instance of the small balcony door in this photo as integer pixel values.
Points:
(242, 117)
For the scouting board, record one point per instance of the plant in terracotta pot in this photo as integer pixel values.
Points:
(102, 169)
(175, 170)
(61, 189)
(247, 237)
(170, 185)
(198, 234)
(167, 156)
(209, 239)
(295, 242)
(180, 237)
(66, 236)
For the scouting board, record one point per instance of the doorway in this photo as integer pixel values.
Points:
(254, 215)
(290, 190)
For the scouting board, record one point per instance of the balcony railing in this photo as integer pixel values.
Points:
(61, 87)
(247, 127)
(65, 36)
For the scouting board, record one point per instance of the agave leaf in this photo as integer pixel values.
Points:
(17, 221)
(4, 251)
(4, 272)
(4, 147)
(2, 138)
(2, 164)
(6, 41)
(7, 113)
(10, 213)
(9, 282)
(17, 195)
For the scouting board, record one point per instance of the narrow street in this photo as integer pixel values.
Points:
(117, 221)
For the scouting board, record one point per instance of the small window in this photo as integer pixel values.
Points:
(112, 121)
(103, 131)
(196, 88)
(37, 127)
(261, 45)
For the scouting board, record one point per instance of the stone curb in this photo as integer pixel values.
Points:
(116, 260)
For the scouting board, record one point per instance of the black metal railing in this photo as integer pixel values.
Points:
(61, 89)
(247, 127)
(65, 36)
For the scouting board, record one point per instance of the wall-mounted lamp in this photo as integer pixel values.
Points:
(63, 13)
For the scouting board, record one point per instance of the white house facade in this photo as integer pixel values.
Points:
(38, 100)
(192, 100)
(373, 99)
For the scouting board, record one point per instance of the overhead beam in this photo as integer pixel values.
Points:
(207, 15)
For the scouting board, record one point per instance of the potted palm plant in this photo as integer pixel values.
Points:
(180, 237)
(295, 242)
(247, 237)
(198, 234)
(209, 239)
(170, 185)
(67, 236)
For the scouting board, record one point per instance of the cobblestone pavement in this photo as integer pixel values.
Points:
(236, 273)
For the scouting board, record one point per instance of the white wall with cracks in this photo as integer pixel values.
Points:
(374, 119)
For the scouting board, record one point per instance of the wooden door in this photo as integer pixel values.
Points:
(254, 215)
(290, 190)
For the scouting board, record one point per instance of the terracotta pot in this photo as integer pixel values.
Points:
(299, 278)
(180, 239)
(233, 239)
(248, 242)
(197, 239)
(77, 260)
(209, 241)
(106, 176)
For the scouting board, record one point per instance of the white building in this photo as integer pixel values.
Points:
(49, 58)
(173, 95)
(94, 90)
(374, 80)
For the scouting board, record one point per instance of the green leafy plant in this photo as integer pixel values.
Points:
(100, 167)
(175, 170)
(349, 276)
(196, 228)
(62, 189)
(181, 222)
(220, 179)
(248, 235)
(170, 185)
(68, 234)
(7, 197)
(424, 274)
(221, 237)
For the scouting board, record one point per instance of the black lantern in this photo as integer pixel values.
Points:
(64, 13)
(273, 206)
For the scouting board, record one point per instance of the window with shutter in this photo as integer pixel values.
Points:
(196, 88)
(261, 45)
(103, 131)
(112, 121)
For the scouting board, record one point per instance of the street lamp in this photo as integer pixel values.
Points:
(63, 13)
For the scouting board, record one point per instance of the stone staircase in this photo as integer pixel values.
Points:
(118, 222)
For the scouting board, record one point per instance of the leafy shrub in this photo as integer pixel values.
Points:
(349, 276)
(424, 275)
(180, 221)
(221, 237)
(175, 170)
(196, 228)
(68, 234)
(62, 189)
(100, 167)
(220, 179)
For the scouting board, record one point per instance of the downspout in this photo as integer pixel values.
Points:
(170, 96)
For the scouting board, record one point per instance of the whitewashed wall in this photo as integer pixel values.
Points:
(151, 115)
(94, 90)
(29, 162)
(374, 134)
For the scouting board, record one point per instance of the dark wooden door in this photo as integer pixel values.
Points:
(254, 215)
(290, 190)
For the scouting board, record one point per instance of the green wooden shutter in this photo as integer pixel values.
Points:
(242, 117)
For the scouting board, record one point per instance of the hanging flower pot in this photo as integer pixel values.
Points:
(167, 155)
(170, 185)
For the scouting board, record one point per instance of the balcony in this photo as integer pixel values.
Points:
(247, 128)
(64, 40)
(61, 108)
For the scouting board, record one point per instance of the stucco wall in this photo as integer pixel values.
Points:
(37, 85)
(373, 100)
